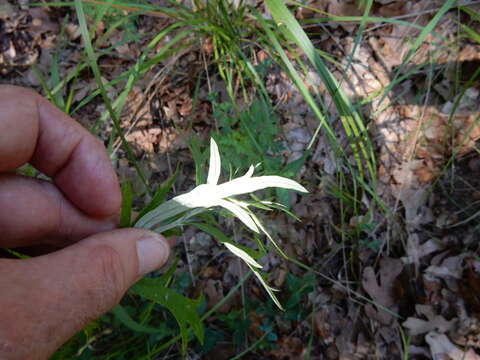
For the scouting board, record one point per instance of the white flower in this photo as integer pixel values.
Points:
(211, 194)
(178, 210)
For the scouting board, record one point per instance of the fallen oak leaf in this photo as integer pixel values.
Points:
(442, 348)
(382, 290)
(450, 267)
(434, 322)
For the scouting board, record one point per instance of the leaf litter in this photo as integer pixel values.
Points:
(426, 290)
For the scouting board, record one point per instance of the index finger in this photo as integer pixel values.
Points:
(33, 130)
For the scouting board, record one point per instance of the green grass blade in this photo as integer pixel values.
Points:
(96, 71)
(351, 120)
(475, 36)
(127, 200)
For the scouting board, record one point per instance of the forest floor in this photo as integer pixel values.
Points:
(391, 261)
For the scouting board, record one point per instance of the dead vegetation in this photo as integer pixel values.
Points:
(399, 282)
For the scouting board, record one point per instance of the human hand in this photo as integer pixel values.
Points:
(44, 300)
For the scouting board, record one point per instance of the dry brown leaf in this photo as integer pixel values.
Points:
(345, 8)
(323, 325)
(434, 322)
(41, 22)
(442, 348)
(289, 347)
(214, 291)
(382, 290)
(416, 251)
(6, 10)
(450, 267)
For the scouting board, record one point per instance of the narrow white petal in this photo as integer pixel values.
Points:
(166, 210)
(160, 228)
(249, 173)
(215, 164)
(204, 195)
(243, 255)
(244, 185)
(262, 229)
(242, 215)
(242, 204)
(269, 290)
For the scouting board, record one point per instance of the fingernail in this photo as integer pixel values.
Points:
(153, 252)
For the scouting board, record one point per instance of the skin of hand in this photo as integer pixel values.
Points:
(45, 300)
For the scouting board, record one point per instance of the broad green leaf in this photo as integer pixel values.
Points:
(122, 315)
(294, 167)
(184, 310)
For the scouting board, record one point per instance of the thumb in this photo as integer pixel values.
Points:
(45, 300)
